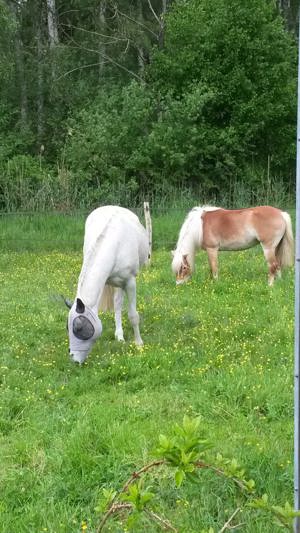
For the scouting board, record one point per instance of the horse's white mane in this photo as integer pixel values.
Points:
(97, 226)
(90, 247)
(190, 235)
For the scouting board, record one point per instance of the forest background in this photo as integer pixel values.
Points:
(115, 101)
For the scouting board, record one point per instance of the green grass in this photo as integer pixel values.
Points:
(222, 350)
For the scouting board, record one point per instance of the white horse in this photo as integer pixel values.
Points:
(116, 245)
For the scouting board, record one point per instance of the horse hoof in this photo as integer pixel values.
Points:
(139, 343)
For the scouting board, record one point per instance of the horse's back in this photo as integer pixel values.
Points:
(101, 215)
(119, 230)
(240, 228)
(111, 217)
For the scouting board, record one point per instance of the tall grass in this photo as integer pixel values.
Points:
(56, 230)
(222, 350)
(28, 184)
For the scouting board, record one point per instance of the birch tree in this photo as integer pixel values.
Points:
(52, 23)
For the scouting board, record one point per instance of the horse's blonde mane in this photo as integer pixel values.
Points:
(210, 208)
(190, 219)
(190, 235)
(193, 217)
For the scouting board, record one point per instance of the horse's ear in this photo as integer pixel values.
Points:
(80, 307)
(67, 302)
(172, 253)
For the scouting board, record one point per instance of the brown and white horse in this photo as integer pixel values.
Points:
(213, 229)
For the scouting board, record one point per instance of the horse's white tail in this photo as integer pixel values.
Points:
(285, 249)
(148, 224)
(107, 299)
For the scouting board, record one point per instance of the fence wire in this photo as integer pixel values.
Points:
(50, 230)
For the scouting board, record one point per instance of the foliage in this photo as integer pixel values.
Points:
(132, 100)
(103, 140)
(284, 516)
(207, 111)
(241, 53)
(187, 452)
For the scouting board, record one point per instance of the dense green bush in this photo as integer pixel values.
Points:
(214, 116)
(218, 108)
(241, 52)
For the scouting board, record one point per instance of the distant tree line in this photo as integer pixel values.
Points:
(109, 100)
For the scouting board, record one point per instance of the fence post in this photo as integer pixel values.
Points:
(148, 222)
(297, 318)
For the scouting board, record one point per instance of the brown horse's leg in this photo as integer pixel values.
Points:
(212, 254)
(274, 265)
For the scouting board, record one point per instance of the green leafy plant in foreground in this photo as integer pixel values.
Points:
(284, 516)
(186, 452)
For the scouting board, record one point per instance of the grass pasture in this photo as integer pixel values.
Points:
(222, 350)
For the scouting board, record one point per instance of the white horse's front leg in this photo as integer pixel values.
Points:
(118, 304)
(132, 312)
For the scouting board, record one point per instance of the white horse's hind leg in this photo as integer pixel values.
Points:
(118, 304)
(132, 312)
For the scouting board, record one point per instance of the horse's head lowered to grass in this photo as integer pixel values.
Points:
(189, 240)
(84, 328)
(181, 267)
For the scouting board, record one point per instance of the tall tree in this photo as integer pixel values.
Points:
(52, 23)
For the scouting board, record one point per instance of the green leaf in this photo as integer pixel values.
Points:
(147, 497)
(164, 441)
(133, 520)
(250, 484)
(179, 477)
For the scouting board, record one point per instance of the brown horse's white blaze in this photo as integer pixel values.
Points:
(185, 270)
(213, 229)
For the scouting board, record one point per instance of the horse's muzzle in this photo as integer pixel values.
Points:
(78, 357)
(182, 280)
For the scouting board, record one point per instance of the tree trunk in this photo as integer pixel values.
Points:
(161, 35)
(20, 67)
(289, 9)
(140, 49)
(52, 23)
(22, 81)
(40, 87)
(102, 47)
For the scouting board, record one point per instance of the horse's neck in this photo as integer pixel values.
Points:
(187, 245)
(190, 235)
(93, 276)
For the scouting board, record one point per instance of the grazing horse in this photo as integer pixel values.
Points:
(213, 229)
(115, 246)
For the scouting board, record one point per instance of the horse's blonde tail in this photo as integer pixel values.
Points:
(107, 299)
(285, 249)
